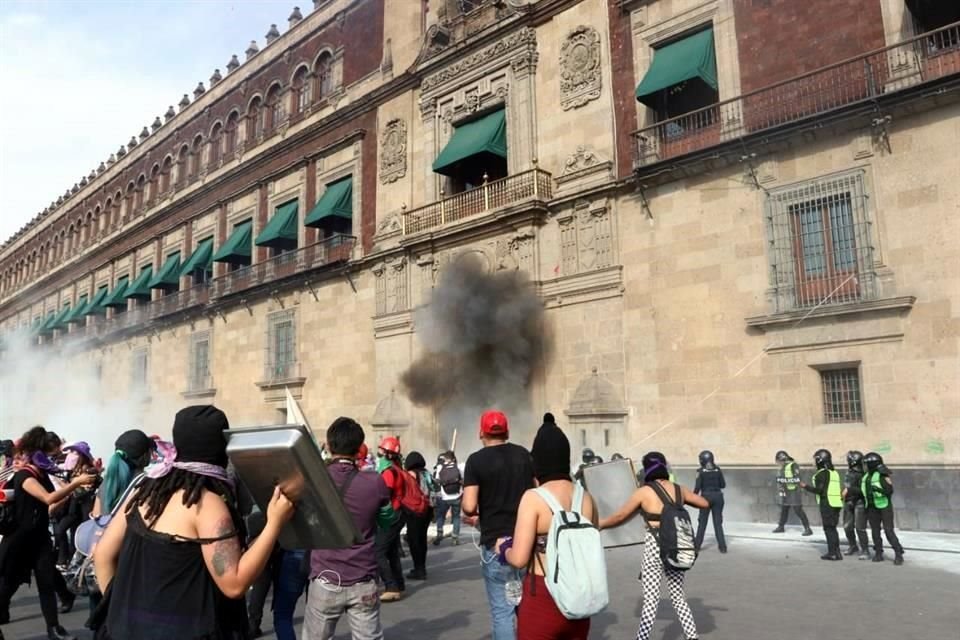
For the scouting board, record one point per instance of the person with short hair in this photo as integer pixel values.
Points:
(450, 480)
(344, 581)
(173, 565)
(495, 479)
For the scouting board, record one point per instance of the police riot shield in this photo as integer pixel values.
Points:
(287, 456)
(611, 484)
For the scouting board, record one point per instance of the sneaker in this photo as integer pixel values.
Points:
(390, 596)
(66, 604)
(807, 532)
(778, 530)
(438, 540)
(831, 556)
(456, 540)
(59, 633)
(417, 575)
(852, 551)
(863, 556)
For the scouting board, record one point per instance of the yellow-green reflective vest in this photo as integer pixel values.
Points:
(834, 497)
(787, 473)
(872, 490)
(672, 477)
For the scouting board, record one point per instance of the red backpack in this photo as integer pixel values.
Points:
(413, 498)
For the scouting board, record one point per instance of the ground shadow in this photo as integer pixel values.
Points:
(419, 628)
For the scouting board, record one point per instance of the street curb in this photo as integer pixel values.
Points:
(822, 541)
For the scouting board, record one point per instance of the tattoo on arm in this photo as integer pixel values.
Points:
(226, 553)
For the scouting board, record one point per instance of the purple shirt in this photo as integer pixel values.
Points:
(364, 497)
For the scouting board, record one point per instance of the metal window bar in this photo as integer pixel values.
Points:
(139, 370)
(199, 378)
(281, 360)
(820, 244)
(841, 396)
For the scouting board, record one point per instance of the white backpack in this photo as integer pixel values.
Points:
(576, 571)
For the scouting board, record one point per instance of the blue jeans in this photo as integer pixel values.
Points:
(288, 586)
(503, 615)
(453, 507)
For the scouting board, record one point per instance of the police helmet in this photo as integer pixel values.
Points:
(823, 459)
(855, 460)
(706, 459)
(783, 456)
(873, 461)
(588, 456)
(616, 456)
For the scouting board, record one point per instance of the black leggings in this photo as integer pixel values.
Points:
(417, 527)
(715, 498)
(855, 524)
(884, 517)
(388, 556)
(830, 518)
(50, 584)
(785, 513)
(63, 532)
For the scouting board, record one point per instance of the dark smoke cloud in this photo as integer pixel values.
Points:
(485, 340)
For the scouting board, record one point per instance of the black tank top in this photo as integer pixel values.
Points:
(162, 591)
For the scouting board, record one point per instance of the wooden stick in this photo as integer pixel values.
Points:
(453, 442)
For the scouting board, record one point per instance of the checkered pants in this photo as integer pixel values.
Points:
(652, 571)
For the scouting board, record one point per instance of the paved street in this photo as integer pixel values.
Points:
(761, 589)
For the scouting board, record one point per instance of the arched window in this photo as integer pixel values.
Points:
(154, 190)
(302, 90)
(230, 134)
(324, 73)
(216, 139)
(196, 155)
(165, 170)
(183, 156)
(254, 120)
(105, 216)
(276, 108)
(141, 187)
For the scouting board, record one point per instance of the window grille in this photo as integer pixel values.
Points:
(139, 370)
(281, 361)
(199, 374)
(304, 97)
(841, 395)
(821, 243)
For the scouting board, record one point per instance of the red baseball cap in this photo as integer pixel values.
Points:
(493, 423)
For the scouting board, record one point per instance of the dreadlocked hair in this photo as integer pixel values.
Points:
(155, 493)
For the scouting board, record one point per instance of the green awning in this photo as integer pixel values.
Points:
(47, 325)
(118, 297)
(169, 274)
(77, 312)
(61, 318)
(282, 228)
(141, 286)
(686, 59)
(337, 201)
(201, 258)
(237, 246)
(96, 305)
(483, 135)
(36, 325)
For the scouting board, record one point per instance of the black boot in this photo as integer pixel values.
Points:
(807, 532)
(66, 604)
(59, 633)
(878, 556)
(853, 550)
(898, 558)
(779, 529)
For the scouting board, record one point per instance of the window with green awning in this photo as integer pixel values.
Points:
(689, 59)
(47, 325)
(96, 304)
(140, 288)
(281, 230)
(236, 250)
(334, 206)
(169, 275)
(118, 297)
(200, 259)
(485, 136)
(77, 312)
(61, 320)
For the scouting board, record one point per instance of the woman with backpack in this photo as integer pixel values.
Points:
(27, 546)
(661, 504)
(418, 524)
(540, 616)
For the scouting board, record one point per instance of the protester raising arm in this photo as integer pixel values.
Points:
(646, 498)
(51, 498)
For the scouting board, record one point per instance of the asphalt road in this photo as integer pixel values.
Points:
(760, 590)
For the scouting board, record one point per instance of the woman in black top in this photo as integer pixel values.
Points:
(172, 566)
(710, 484)
(29, 547)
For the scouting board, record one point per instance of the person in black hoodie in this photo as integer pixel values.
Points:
(710, 484)
(854, 515)
(418, 524)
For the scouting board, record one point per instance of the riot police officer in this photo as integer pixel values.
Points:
(588, 458)
(788, 485)
(710, 484)
(829, 492)
(854, 514)
(877, 489)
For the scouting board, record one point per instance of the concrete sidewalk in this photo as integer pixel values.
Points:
(911, 540)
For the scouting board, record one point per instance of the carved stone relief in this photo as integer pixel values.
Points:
(580, 74)
(515, 252)
(393, 151)
(525, 38)
(586, 238)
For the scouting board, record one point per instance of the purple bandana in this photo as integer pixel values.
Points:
(168, 463)
(41, 461)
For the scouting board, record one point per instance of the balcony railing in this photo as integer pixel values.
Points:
(178, 301)
(332, 250)
(534, 184)
(921, 59)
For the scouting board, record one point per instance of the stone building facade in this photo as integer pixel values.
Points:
(740, 215)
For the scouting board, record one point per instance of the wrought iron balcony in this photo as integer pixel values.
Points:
(332, 250)
(534, 184)
(177, 301)
(924, 58)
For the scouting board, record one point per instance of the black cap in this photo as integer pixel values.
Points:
(198, 435)
(414, 461)
(134, 444)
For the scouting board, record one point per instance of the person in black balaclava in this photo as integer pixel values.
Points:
(854, 514)
(788, 485)
(829, 492)
(710, 484)
(877, 489)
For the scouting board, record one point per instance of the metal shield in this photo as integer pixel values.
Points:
(611, 484)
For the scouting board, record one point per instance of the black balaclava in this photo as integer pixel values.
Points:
(198, 435)
(136, 447)
(414, 462)
(551, 454)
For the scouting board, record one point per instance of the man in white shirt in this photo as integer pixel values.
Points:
(449, 478)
